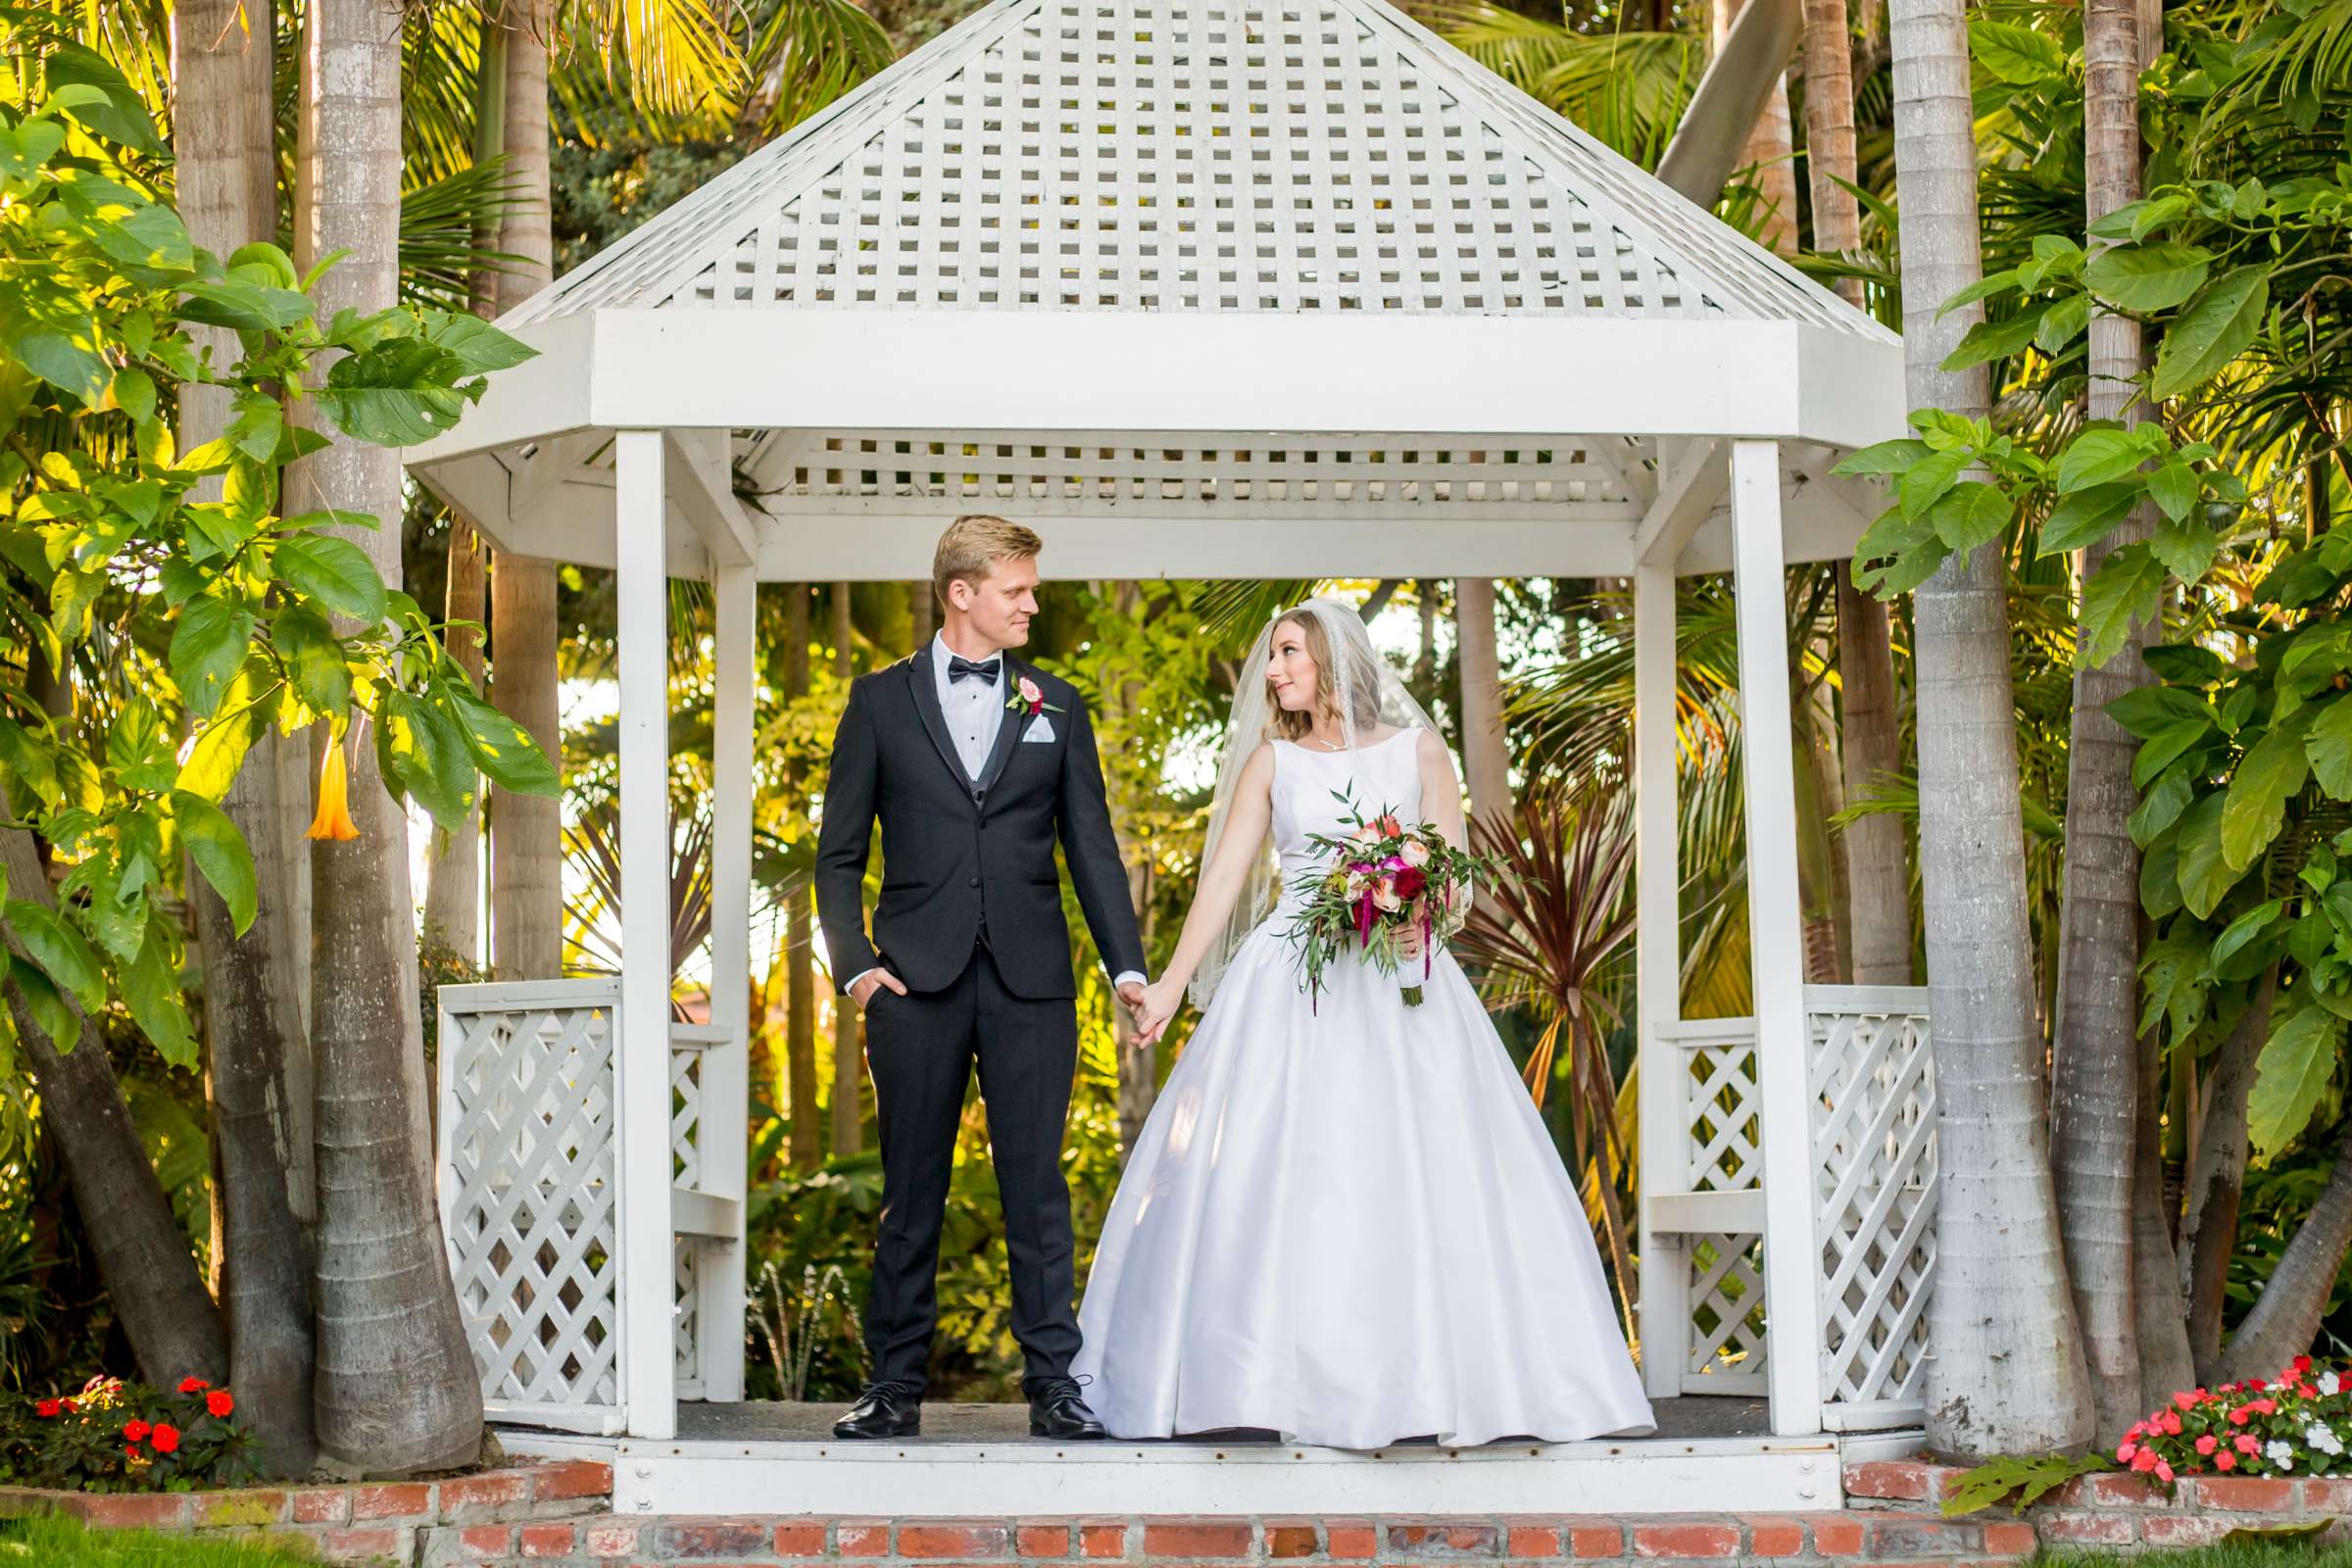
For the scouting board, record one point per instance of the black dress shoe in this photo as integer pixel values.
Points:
(1056, 1412)
(883, 1410)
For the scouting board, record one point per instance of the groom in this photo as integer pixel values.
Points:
(974, 763)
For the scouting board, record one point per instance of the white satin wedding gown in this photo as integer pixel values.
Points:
(1344, 1220)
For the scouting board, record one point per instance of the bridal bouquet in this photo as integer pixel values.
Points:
(1384, 880)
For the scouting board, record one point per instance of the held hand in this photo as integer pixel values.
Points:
(1160, 1005)
(1131, 997)
(862, 989)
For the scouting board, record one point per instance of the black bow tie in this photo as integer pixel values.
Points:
(960, 668)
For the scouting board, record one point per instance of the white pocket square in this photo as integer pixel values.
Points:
(1040, 729)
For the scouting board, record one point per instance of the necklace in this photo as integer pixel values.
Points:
(1329, 746)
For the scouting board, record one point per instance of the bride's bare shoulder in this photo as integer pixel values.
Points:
(1430, 749)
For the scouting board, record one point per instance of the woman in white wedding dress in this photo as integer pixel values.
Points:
(1344, 1220)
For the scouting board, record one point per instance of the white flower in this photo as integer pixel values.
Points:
(2280, 1453)
(1414, 852)
(2320, 1438)
(2329, 1383)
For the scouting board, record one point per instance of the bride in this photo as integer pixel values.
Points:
(1344, 1220)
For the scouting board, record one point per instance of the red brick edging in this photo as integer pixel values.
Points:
(2117, 1510)
(403, 1520)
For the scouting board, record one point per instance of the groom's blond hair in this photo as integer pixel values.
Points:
(972, 546)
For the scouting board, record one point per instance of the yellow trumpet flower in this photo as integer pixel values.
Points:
(333, 820)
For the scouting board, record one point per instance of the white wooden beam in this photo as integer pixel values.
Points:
(1776, 939)
(647, 1265)
(557, 459)
(702, 482)
(1183, 371)
(726, 1066)
(1657, 964)
(1689, 488)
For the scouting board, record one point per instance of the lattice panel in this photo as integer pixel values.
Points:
(527, 1200)
(1873, 1095)
(1483, 476)
(685, 1117)
(1194, 156)
(1724, 1116)
(1728, 1342)
(686, 1277)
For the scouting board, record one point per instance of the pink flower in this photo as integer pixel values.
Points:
(2144, 1460)
(2169, 1423)
(1031, 695)
(2207, 1442)
(2188, 1401)
(2164, 1472)
(2224, 1460)
(2241, 1415)
(2246, 1443)
(1384, 894)
(2122, 1455)
(1415, 853)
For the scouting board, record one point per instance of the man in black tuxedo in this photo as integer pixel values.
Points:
(974, 763)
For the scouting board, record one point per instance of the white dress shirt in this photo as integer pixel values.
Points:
(974, 709)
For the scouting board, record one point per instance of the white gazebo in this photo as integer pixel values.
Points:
(1197, 288)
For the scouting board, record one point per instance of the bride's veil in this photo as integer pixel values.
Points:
(1370, 697)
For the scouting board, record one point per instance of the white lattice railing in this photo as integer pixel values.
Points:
(1870, 1089)
(529, 1147)
(1870, 1082)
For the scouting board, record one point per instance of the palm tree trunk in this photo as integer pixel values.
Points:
(1138, 1059)
(452, 895)
(2160, 1319)
(2285, 1318)
(2095, 1081)
(396, 1384)
(800, 993)
(922, 612)
(2008, 1375)
(143, 1255)
(1769, 150)
(848, 1052)
(2217, 1177)
(526, 849)
(257, 1079)
(1830, 149)
(1485, 759)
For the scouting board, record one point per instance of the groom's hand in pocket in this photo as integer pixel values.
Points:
(862, 989)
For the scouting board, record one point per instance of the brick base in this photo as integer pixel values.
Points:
(460, 1520)
(552, 1516)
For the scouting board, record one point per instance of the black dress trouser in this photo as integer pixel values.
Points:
(922, 1047)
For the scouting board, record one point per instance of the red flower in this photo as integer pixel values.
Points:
(68, 1405)
(2188, 1401)
(167, 1438)
(2256, 1385)
(2169, 1422)
(45, 1409)
(2241, 1415)
(130, 1450)
(135, 1430)
(193, 1384)
(2265, 1406)
(2224, 1460)
(1411, 881)
(2144, 1460)
(2207, 1442)
(2302, 1363)
(2246, 1443)
(218, 1401)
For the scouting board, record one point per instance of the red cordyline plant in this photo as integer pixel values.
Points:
(2298, 1423)
(125, 1437)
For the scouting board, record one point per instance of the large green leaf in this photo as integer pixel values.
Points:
(423, 752)
(334, 572)
(220, 853)
(2296, 1063)
(208, 649)
(2213, 331)
(2126, 589)
(1970, 513)
(220, 746)
(64, 954)
(2099, 456)
(151, 989)
(2205, 873)
(478, 346)
(118, 111)
(2267, 778)
(2085, 516)
(2329, 748)
(503, 748)
(2149, 276)
(395, 394)
(26, 764)
(52, 1013)
(315, 662)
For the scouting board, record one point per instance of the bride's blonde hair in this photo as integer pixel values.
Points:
(1364, 693)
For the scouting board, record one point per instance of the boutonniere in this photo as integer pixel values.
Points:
(1029, 700)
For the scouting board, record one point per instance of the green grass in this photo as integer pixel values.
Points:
(53, 1543)
(2283, 1553)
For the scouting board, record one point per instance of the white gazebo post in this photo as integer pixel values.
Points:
(646, 1263)
(1776, 937)
(1658, 967)
(727, 1072)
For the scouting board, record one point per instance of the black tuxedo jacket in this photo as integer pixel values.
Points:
(959, 853)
